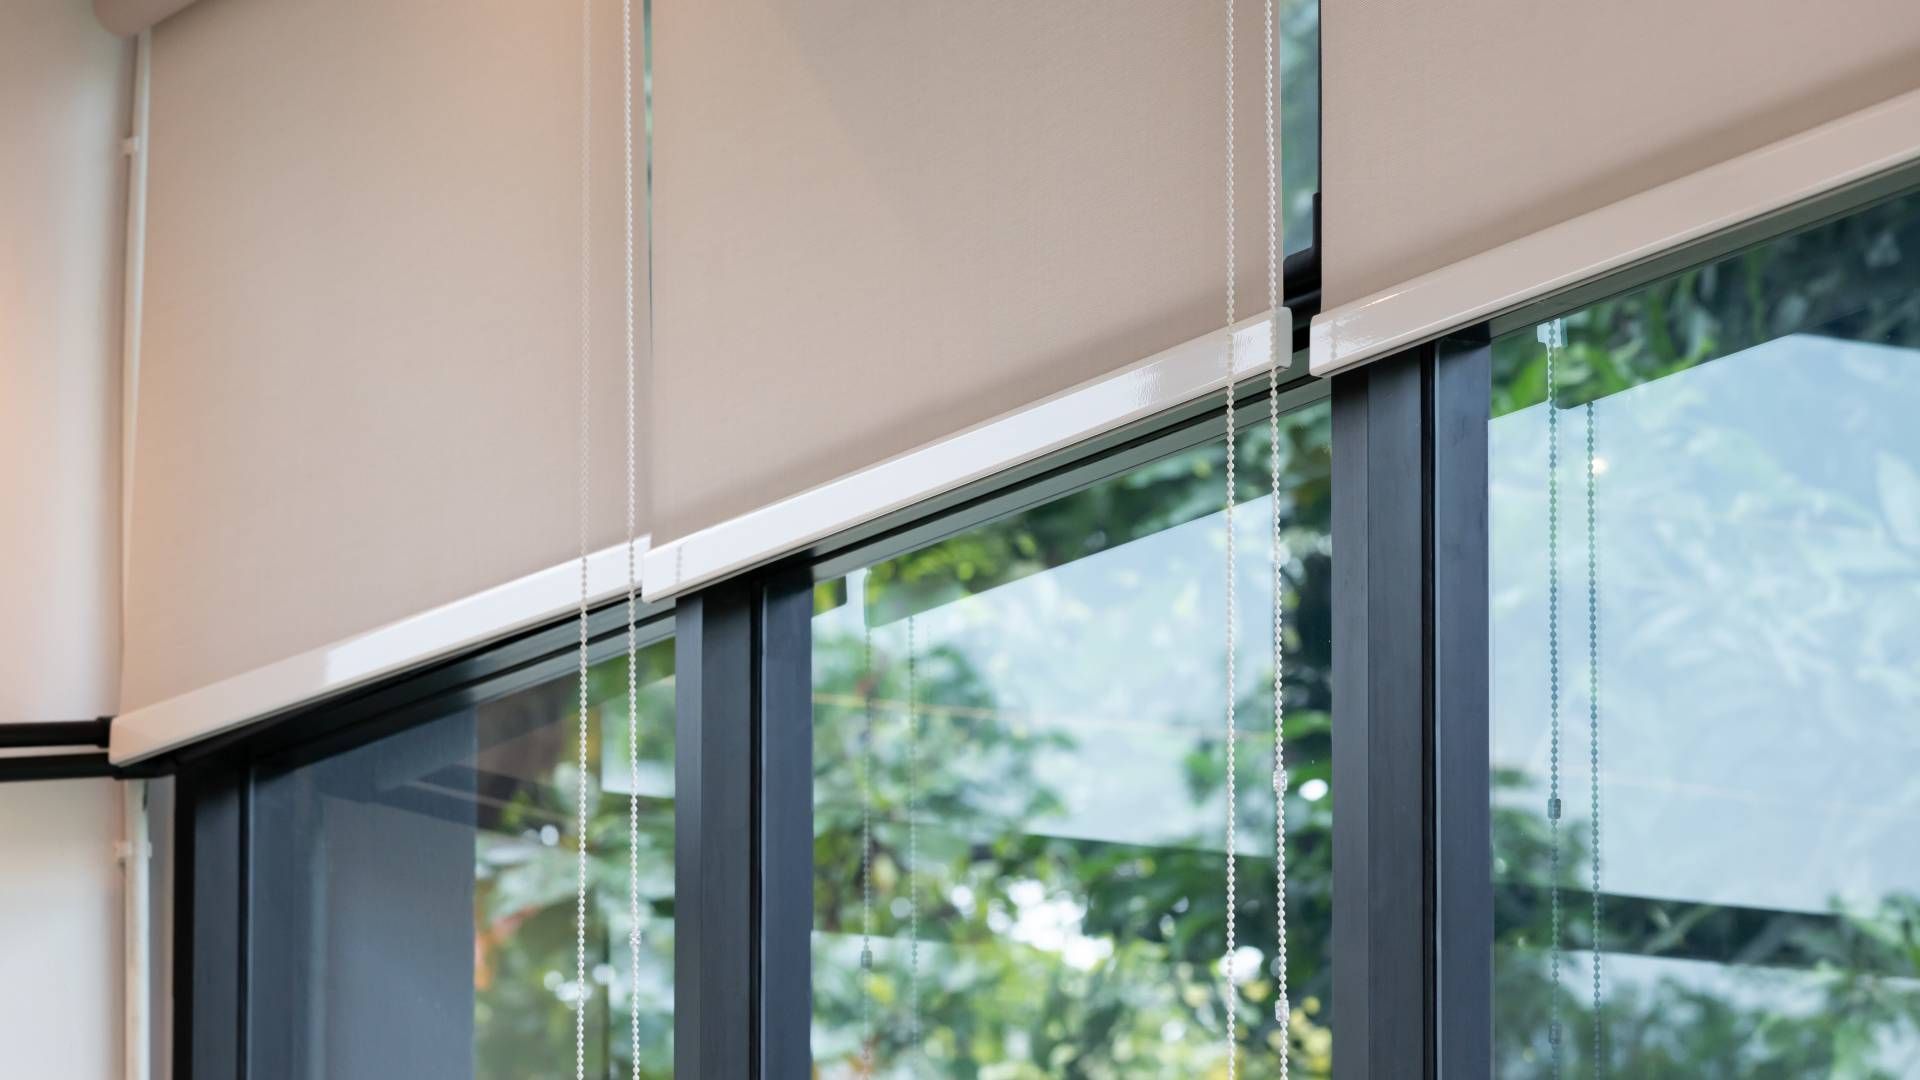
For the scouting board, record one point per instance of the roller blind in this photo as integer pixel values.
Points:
(359, 386)
(878, 224)
(1451, 129)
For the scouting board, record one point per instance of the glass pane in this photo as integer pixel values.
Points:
(1299, 116)
(1027, 721)
(415, 899)
(1751, 572)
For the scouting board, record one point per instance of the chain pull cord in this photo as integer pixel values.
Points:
(866, 853)
(633, 574)
(1550, 335)
(913, 838)
(1276, 230)
(1593, 728)
(581, 996)
(1231, 989)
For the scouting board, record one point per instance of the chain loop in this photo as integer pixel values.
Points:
(866, 851)
(1275, 232)
(581, 995)
(1282, 1007)
(1550, 335)
(1593, 729)
(1232, 991)
(633, 572)
(913, 838)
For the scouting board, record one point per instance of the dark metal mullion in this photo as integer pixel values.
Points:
(1463, 814)
(209, 956)
(784, 897)
(714, 766)
(1383, 987)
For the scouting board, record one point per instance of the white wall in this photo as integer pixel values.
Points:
(64, 94)
(60, 930)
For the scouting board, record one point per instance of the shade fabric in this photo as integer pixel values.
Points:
(359, 389)
(128, 17)
(1451, 129)
(879, 224)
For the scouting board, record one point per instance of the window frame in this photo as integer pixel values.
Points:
(1413, 931)
(215, 999)
(1458, 1020)
(750, 710)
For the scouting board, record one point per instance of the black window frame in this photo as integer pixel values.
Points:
(215, 1000)
(1459, 720)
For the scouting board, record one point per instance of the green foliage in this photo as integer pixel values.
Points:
(524, 886)
(1702, 989)
(1041, 953)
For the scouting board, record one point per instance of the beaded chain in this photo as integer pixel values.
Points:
(1275, 232)
(1553, 336)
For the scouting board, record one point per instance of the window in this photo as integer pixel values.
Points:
(1018, 781)
(1300, 117)
(414, 904)
(1755, 575)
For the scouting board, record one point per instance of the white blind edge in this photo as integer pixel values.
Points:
(1173, 377)
(1821, 159)
(355, 661)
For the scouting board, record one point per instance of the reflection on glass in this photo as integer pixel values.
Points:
(1019, 800)
(1756, 556)
(1299, 117)
(415, 912)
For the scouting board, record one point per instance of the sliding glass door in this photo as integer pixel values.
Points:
(1704, 507)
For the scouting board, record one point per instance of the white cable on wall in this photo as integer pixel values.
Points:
(133, 291)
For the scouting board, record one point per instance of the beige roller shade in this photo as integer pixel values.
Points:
(1451, 129)
(359, 386)
(878, 224)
